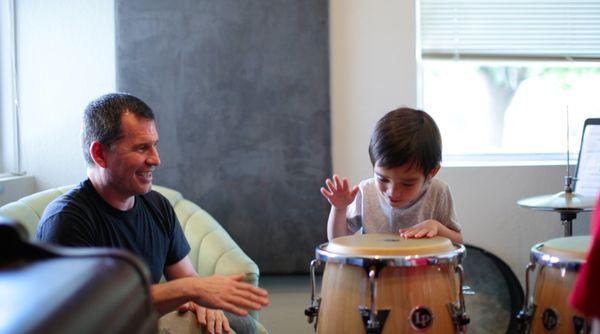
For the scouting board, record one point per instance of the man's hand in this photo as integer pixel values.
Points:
(227, 293)
(428, 229)
(338, 192)
(214, 321)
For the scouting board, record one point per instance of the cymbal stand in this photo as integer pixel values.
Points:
(567, 216)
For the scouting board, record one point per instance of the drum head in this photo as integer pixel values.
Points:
(574, 248)
(498, 294)
(388, 245)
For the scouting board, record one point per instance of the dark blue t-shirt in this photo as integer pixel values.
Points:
(150, 229)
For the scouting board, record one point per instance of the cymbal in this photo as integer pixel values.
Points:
(562, 201)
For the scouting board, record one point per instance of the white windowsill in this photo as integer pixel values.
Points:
(506, 160)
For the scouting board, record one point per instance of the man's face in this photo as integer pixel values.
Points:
(131, 160)
(399, 185)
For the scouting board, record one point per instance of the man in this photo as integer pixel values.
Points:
(115, 207)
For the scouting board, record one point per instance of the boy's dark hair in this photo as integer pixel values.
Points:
(404, 136)
(102, 120)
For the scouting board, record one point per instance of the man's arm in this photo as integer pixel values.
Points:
(181, 269)
(228, 293)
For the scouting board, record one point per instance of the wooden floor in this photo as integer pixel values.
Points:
(288, 296)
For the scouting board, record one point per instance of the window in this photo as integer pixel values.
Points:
(500, 76)
(9, 134)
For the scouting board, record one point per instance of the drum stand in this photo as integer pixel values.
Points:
(567, 218)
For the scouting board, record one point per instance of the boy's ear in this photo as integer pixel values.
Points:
(97, 152)
(433, 172)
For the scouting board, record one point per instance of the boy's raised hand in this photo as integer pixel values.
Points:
(338, 192)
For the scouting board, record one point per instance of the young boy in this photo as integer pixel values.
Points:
(403, 196)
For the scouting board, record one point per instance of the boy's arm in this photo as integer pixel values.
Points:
(455, 236)
(337, 225)
(339, 195)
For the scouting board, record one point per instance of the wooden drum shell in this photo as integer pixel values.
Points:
(554, 283)
(400, 288)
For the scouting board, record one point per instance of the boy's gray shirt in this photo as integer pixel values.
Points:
(373, 214)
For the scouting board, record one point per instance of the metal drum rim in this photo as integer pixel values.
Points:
(451, 257)
(549, 260)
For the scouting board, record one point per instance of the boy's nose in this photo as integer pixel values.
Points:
(394, 191)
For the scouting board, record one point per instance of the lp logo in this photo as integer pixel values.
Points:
(421, 318)
(549, 319)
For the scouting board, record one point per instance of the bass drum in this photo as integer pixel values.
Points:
(498, 295)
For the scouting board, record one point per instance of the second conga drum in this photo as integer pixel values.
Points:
(559, 261)
(383, 283)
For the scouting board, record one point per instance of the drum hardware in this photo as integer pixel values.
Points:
(313, 309)
(524, 316)
(581, 326)
(458, 312)
(373, 320)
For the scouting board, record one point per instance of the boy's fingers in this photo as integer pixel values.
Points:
(330, 184)
(338, 183)
(345, 185)
(326, 193)
(354, 192)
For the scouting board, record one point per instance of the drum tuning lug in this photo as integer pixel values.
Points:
(524, 318)
(463, 320)
(460, 317)
(373, 325)
(312, 312)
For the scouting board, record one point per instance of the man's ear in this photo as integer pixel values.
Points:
(97, 152)
(433, 172)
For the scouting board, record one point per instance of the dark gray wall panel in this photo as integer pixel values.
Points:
(241, 93)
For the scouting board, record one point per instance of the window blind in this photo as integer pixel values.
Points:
(540, 29)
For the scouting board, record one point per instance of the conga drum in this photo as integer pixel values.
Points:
(383, 283)
(558, 261)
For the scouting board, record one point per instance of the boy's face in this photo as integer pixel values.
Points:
(401, 185)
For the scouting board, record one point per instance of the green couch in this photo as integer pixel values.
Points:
(213, 251)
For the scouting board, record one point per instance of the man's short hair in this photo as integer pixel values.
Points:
(102, 120)
(406, 136)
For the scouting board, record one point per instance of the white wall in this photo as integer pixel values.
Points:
(374, 68)
(66, 57)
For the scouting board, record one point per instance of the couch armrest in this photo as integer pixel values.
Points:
(213, 251)
(28, 210)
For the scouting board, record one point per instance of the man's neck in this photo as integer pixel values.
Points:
(109, 193)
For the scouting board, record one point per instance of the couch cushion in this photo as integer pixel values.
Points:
(172, 195)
